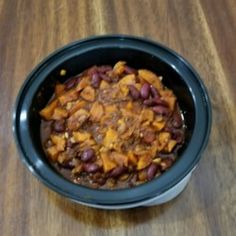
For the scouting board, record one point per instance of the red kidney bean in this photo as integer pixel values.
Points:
(105, 77)
(87, 155)
(177, 121)
(151, 171)
(145, 90)
(149, 102)
(149, 136)
(177, 135)
(130, 70)
(117, 171)
(161, 110)
(134, 92)
(92, 70)
(104, 69)
(166, 163)
(69, 164)
(59, 126)
(70, 83)
(91, 167)
(154, 101)
(154, 92)
(95, 81)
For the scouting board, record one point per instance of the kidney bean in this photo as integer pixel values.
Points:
(149, 102)
(177, 121)
(130, 70)
(145, 90)
(154, 92)
(70, 83)
(59, 126)
(154, 101)
(92, 70)
(117, 171)
(178, 135)
(161, 110)
(87, 155)
(151, 171)
(149, 136)
(166, 163)
(91, 167)
(104, 69)
(105, 77)
(95, 81)
(134, 92)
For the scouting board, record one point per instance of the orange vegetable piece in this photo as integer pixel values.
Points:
(163, 140)
(169, 98)
(147, 115)
(159, 125)
(119, 68)
(127, 80)
(171, 144)
(76, 106)
(88, 94)
(132, 158)
(84, 82)
(96, 111)
(151, 78)
(59, 141)
(59, 89)
(47, 112)
(59, 113)
(143, 162)
(53, 152)
(68, 96)
(108, 164)
(110, 138)
(81, 136)
(119, 158)
(104, 84)
(77, 119)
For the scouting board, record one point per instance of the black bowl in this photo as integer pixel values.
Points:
(177, 74)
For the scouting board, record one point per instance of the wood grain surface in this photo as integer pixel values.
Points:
(203, 31)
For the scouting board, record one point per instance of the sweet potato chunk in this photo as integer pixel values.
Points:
(59, 89)
(159, 125)
(96, 111)
(171, 144)
(132, 158)
(127, 80)
(59, 113)
(84, 82)
(110, 138)
(81, 136)
(120, 159)
(59, 141)
(119, 67)
(68, 96)
(53, 152)
(151, 78)
(108, 164)
(104, 84)
(147, 115)
(88, 94)
(163, 140)
(77, 119)
(47, 112)
(76, 106)
(143, 162)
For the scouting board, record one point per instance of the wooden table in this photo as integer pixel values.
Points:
(203, 31)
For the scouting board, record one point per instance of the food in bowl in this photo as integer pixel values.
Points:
(112, 127)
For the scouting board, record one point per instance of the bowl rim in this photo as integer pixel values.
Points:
(117, 196)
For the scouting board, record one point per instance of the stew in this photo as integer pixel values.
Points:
(112, 127)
